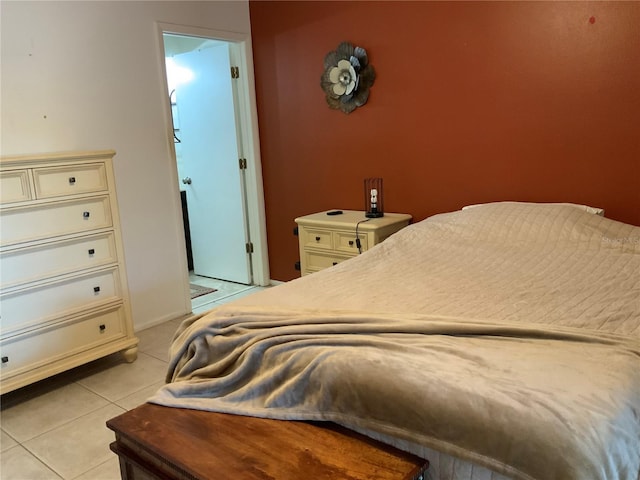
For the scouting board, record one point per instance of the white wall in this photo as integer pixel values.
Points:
(87, 76)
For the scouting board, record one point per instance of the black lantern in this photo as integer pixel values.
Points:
(373, 198)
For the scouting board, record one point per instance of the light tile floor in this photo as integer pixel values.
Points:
(55, 429)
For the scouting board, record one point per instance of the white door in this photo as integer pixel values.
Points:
(210, 169)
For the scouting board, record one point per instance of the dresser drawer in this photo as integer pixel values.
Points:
(15, 186)
(346, 242)
(317, 261)
(67, 180)
(49, 259)
(36, 349)
(316, 238)
(30, 307)
(20, 224)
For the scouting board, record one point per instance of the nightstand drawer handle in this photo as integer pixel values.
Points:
(96, 289)
(86, 214)
(91, 251)
(102, 328)
(335, 263)
(317, 239)
(72, 180)
(351, 243)
(5, 359)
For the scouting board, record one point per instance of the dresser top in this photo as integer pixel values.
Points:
(40, 158)
(349, 218)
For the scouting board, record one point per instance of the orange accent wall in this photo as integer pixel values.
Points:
(473, 102)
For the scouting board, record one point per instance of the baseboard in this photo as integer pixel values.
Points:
(160, 321)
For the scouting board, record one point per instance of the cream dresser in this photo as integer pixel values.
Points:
(327, 240)
(63, 299)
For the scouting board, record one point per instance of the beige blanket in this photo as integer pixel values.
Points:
(506, 335)
(471, 389)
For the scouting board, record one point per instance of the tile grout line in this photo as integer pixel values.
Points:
(87, 471)
(41, 460)
(224, 296)
(69, 421)
(36, 457)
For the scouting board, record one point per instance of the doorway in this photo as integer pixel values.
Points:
(214, 135)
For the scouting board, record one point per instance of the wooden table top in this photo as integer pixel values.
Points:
(206, 445)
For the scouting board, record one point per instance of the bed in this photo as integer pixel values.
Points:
(498, 341)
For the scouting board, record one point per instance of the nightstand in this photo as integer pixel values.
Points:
(327, 240)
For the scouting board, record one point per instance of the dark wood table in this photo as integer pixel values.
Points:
(155, 442)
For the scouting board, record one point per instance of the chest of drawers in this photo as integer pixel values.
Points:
(64, 299)
(327, 240)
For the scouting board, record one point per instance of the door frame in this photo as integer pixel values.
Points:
(248, 123)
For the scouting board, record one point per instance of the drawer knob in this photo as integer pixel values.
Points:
(96, 289)
(72, 180)
(91, 251)
(351, 243)
(86, 214)
(5, 359)
(317, 239)
(335, 263)
(102, 327)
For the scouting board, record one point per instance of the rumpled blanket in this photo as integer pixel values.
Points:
(526, 400)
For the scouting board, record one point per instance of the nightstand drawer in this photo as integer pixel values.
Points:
(57, 181)
(35, 349)
(316, 238)
(15, 186)
(317, 260)
(346, 242)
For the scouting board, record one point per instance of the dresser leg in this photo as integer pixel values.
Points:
(130, 354)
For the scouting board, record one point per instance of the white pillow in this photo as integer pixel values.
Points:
(586, 208)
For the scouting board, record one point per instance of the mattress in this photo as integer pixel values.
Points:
(541, 268)
(520, 262)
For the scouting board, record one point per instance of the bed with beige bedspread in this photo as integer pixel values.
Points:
(500, 340)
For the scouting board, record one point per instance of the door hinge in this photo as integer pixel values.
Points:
(243, 163)
(249, 247)
(235, 72)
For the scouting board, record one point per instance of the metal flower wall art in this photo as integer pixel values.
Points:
(347, 77)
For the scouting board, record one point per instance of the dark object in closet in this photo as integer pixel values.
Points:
(187, 232)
